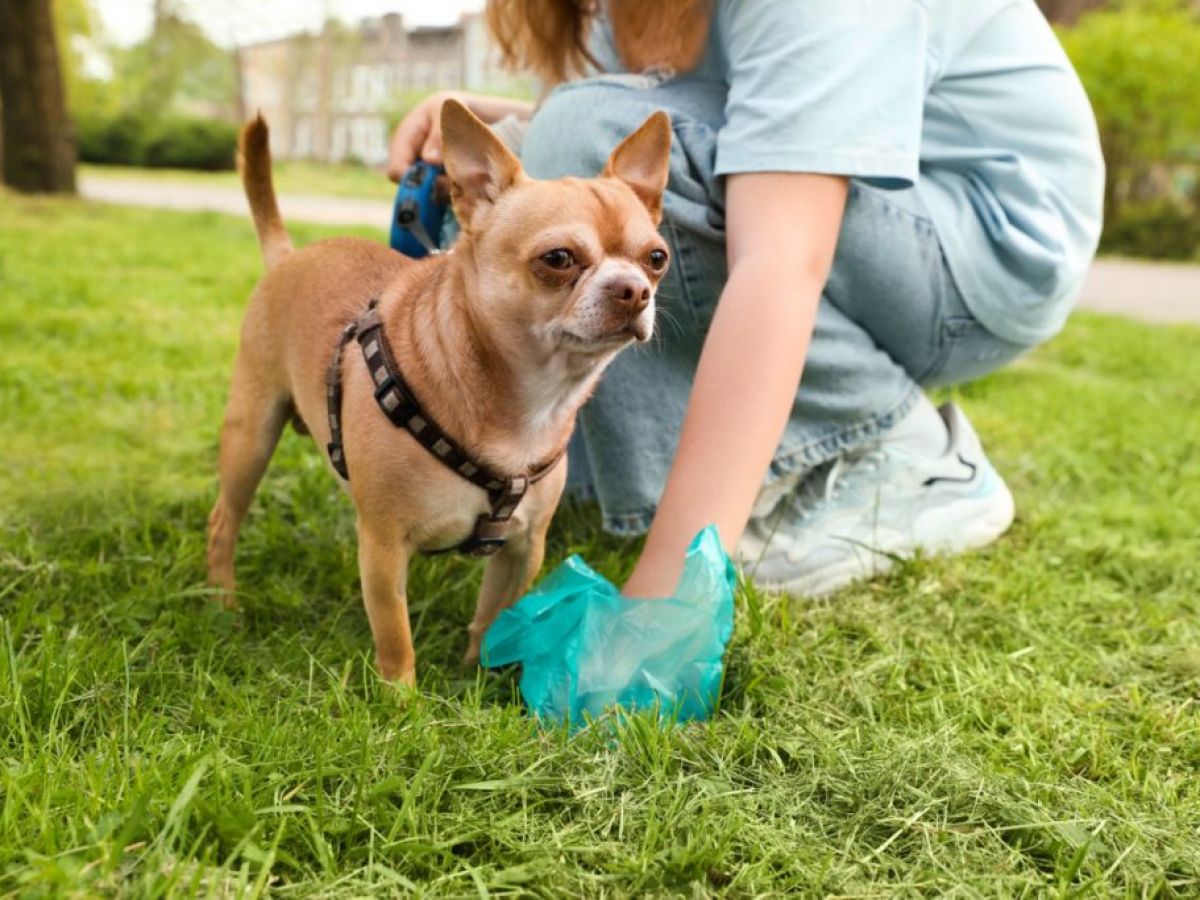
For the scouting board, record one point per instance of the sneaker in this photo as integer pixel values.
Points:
(925, 484)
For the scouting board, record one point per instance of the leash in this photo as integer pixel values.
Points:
(399, 404)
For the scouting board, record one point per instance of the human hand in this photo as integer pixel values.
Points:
(419, 134)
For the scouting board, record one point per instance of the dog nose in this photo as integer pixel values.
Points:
(629, 293)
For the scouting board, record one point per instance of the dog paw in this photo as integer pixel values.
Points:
(222, 591)
(400, 692)
(399, 676)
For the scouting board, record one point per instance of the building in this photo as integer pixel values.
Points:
(334, 96)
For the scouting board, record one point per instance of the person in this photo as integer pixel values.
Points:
(867, 198)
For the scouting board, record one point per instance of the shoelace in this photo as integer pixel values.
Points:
(826, 484)
(820, 487)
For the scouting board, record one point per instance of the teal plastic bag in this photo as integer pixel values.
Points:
(584, 648)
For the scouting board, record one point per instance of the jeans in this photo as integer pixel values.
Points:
(890, 319)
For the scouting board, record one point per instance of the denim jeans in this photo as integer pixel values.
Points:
(890, 319)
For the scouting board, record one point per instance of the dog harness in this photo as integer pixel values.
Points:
(400, 406)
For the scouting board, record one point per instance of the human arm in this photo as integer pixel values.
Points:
(781, 231)
(419, 134)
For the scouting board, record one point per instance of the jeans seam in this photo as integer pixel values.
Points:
(629, 524)
(941, 351)
(880, 196)
(682, 252)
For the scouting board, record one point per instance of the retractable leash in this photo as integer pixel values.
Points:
(419, 211)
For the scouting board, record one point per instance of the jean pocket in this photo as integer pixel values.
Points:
(966, 351)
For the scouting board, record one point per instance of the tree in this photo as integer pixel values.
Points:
(176, 69)
(1067, 11)
(38, 140)
(83, 54)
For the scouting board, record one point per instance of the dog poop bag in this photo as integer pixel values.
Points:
(584, 648)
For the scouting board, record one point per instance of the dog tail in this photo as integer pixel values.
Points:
(254, 161)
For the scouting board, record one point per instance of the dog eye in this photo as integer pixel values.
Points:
(658, 259)
(559, 259)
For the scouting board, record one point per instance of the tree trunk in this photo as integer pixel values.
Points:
(1065, 12)
(38, 139)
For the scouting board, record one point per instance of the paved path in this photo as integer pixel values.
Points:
(218, 198)
(1154, 292)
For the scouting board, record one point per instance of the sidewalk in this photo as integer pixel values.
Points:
(213, 198)
(1150, 291)
(1153, 292)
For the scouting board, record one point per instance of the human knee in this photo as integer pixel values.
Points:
(581, 123)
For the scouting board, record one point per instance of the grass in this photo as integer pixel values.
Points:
(1023, 721)
(291, 177)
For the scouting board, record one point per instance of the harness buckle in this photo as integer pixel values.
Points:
(481, 546)
(488, 536)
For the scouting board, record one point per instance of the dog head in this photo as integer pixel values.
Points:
(572, 264)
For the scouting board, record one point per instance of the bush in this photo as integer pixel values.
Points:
(179, 143)
(176, 142)
(1161, 229)
(1140, 63)
(114, 140)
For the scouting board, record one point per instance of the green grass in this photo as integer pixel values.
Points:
(291, 177)
(1020, 722)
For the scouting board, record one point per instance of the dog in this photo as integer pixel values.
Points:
(496, 343)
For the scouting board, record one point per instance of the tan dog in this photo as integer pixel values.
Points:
(500, 340)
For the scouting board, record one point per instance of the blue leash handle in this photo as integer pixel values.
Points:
(417, 215)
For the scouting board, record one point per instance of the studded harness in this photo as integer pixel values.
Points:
(400, 405)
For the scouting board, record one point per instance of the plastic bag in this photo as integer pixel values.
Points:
(584, 648)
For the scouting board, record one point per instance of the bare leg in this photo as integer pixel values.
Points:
(254, 418)
(383, 566)
(508, 575)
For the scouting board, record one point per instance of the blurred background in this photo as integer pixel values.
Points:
(162, 84)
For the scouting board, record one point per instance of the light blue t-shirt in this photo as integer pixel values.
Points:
(972, 101)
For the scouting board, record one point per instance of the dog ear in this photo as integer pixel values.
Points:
(480, 167)
(643, 161)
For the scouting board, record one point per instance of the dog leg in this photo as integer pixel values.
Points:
(383, 566)
(254, 418)
(507, 576)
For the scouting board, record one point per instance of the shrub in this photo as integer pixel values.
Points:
(179, 143)
(1162, 229)
(1140, 63)
(176, 142)
(113, 139)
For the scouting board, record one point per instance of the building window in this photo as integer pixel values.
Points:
(449, 74)
(340, 138)
(303, 143)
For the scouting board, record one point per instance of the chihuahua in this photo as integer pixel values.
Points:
(496, 344)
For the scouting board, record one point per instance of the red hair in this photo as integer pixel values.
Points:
(550, 37)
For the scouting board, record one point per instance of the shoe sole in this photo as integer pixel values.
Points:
(975, 525)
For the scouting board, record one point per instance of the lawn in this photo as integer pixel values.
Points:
(291, 177)
(1020, 722)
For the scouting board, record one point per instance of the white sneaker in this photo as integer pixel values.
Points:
(851, 518)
